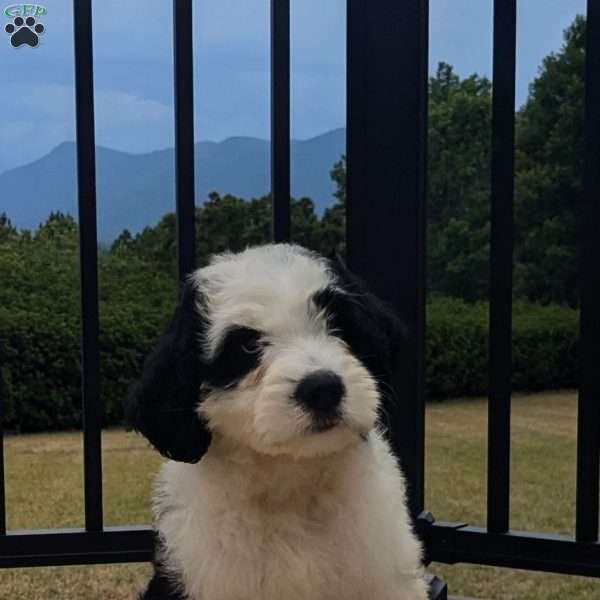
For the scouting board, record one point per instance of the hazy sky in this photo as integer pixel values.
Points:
(133, 68)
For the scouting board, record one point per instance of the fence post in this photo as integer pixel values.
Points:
(387, 102)
(280, 119)
(88, 261)
(588, 414)
(183, 77)
(501, 259)
(387, 64)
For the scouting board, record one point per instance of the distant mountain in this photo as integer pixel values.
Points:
(135, 190)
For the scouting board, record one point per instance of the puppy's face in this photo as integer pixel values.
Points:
(288, 353)
(281, 377)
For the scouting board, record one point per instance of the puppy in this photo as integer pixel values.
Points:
(264, 393)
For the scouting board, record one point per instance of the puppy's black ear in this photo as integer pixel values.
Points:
(162, 404)
(376, 335)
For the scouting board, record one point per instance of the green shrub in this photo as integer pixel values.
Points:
(545, 347)
(40, 376)
(40, 355)
(40, 330)
(456, 348)
(456, 355)
(40, 326)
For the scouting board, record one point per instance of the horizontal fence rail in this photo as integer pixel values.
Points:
(59, 547)
(459, 543)
(387, 58)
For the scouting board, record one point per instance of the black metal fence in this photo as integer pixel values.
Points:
(387, 62)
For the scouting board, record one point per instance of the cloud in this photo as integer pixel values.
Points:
(129, 122)
(133, 68)
(34, 119)
(37, 117)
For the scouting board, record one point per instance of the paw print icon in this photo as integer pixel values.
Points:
(24, 31)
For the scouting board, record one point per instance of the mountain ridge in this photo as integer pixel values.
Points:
(136, 190)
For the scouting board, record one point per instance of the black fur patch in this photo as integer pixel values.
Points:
(238, 354)
(163, 586)
(162, 403)
(375, 335)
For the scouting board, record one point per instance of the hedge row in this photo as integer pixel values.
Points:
(40, 366)
(544, 348)
(40, 357)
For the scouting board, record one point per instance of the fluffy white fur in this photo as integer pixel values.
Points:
(272, 512)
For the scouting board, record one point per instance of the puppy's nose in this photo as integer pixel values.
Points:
(320, 391)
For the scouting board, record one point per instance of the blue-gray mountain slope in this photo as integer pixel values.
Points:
(135, 190)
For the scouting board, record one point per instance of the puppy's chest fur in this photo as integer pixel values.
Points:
(268, 529)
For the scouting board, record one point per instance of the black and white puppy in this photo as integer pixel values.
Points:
(264, 393)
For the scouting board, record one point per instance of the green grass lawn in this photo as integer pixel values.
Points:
(542, 487)
(44, 489)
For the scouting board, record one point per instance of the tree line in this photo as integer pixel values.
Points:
(548, 191)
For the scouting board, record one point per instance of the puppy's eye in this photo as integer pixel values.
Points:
(252, 346)
(238, 354)
(248, 340)
(241, 340)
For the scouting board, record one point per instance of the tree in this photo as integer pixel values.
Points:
(221, 225)
(7, 230)
(333, 223)
(306, 228)
(549, 182)
(458, 184)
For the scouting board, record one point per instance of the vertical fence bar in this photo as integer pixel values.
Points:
(88, 252)
(2, 489)
(588, 421)
(280, 118)
(183, 50)
(387, 46)
(501, 252)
